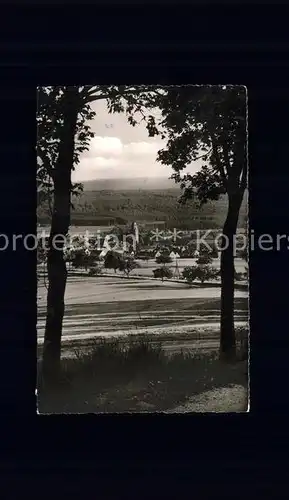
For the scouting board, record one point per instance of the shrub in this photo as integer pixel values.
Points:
(238, 276)
(163, 272)
(41, 252)
(143, 255)
(141, 353)
(94, 271)
(80, 257)
(190, 273)
(128, 264)
(113, 260)
(113, 358)
(41, 256)
(204, 259)
(243, 254)
(200, 273)
(206, 273)
(163, 259)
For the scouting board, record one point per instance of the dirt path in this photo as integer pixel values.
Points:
(221, 400)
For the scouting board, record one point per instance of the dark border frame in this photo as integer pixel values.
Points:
(78, 44)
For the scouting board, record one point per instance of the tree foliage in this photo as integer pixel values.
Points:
(112, 260)
(128, 264)
(163, 272)
(50, 120)
(209, 124)
(163, 259)
(200, 273)
(204, 259)
(134, 101)
(116, 261)
(82, 258)
(244, 254)
(63, 134)
(210, 120)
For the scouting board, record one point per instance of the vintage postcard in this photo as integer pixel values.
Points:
(142, 237)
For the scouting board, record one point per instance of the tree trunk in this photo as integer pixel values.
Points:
(227, 337)
(57, 272)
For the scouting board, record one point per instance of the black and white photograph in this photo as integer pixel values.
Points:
(142, 249)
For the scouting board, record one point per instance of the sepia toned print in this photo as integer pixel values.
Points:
(142, 245)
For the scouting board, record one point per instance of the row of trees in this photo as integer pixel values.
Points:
(199, 272)
(81, 258)
(202, 271)
(210, 120)
(190, 273)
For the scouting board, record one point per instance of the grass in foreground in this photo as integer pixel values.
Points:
(135, 376)
(72, 347)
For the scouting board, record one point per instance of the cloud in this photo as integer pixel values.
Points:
(119, 150)
(108, 157)
(113, 146)
(90, 168)
(104, 147)
(142, 148)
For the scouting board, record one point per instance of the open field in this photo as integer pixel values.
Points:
(100, 306)
(86, 290)
(184, 321)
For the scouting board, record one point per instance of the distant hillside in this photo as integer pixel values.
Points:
(109, 207)
(142, 183)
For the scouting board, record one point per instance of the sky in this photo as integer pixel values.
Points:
(120, 151)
